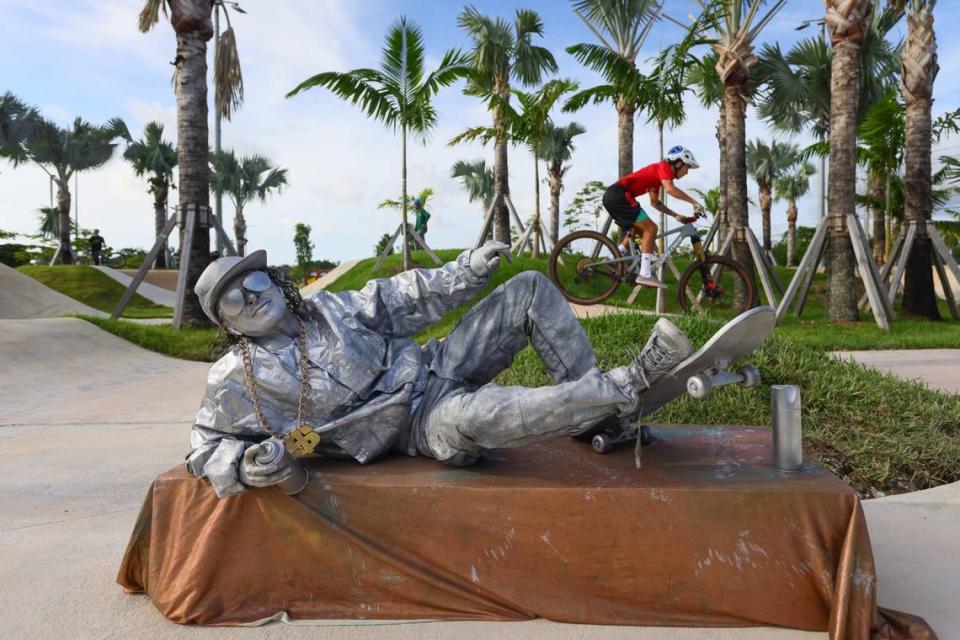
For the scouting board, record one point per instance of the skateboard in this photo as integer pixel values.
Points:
(703, 371)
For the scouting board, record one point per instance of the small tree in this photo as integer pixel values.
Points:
(304, 248)
(246, 179)
(155, 156)
(585, 209)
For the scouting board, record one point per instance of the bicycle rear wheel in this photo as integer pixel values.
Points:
(585, 266)
(709, 286)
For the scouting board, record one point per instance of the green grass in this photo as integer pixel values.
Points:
(93, 288)
(877, 432)
(188, 343)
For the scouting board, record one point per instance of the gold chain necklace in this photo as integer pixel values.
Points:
(302, 440)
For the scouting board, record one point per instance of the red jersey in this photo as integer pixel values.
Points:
(647, 179)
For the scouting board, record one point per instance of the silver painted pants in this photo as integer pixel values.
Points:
(461, 414)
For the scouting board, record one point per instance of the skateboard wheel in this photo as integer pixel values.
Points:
(602, 443)
(698, 387)
(751, 376)
(646, 435)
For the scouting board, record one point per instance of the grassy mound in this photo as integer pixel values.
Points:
(93, 288)
(879, 433)
(188, 343)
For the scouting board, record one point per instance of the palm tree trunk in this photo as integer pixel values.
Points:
(160, 192)
(192, 156)
(556, 185)
(792, 233)
(919, 69)
(501, 186)
(879, 227)
(723, 227)
(240, 231)
(736, 182)
(63, 220)
(624, 139)
(766, 202)
(842, 293)
(536, 205)
(403, 201)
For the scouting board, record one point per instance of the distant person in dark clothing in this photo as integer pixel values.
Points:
(96, 246)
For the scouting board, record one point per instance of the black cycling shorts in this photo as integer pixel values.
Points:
(616, 203)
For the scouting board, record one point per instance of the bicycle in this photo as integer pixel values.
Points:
(588, 268)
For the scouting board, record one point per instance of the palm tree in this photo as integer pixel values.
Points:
(621, 26)
(881, 133)
(702, 75)
(245, 179)
(191, 23)
(766, 163)
(526, 126)
(501, 53)
(477, 178)
(556, 148)
(848, 22)
(919, 66)
(791, 187)
(49, 223)
(155, 156)
(61, 153)
(735, 29)
(17, 123)
(398, 94)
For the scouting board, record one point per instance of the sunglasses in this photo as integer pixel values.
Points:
(233, 299)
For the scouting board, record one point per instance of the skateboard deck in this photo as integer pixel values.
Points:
(708, 366)
(734, 340)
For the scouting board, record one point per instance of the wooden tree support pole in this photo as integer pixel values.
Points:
(803, 276)
(762, 268)
(142, 271)
(423, 244)
(184, 266)
(487, 224)
(224, 238)
(885, 271)
(901, 265)
(881, 305)
(389, 245)
(945, 285)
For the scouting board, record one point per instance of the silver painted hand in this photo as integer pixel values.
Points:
(256, 474)
(486, 259)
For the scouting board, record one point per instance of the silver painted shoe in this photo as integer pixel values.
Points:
(666, 348)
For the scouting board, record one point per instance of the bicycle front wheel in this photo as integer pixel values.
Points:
(586, 266)
(710, 287)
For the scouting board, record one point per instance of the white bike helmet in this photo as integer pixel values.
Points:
(682, 154)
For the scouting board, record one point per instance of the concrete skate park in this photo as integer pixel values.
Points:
(88, 420)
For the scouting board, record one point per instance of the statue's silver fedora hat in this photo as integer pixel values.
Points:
(219, 273)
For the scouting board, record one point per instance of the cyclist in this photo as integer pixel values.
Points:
(620, 201)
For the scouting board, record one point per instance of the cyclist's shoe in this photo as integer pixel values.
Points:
(649, 281)
(666, 348)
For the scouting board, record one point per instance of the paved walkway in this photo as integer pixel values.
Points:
(154, 294)
(936, 368)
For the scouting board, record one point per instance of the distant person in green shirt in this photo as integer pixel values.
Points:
(420, 223)
(96, 246)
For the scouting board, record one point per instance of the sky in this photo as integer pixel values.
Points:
(86, 58)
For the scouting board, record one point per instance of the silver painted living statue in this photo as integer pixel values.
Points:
(338, 374)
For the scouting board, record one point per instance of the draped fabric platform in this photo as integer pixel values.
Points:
(706, 534)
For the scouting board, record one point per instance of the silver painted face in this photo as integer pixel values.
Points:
(252, 305)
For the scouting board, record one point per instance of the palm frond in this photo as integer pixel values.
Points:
(228, 77)
(150, 14)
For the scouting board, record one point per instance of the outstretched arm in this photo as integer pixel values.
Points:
(672, 190)
(410, 301)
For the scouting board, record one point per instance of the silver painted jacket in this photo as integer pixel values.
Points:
(365, 373)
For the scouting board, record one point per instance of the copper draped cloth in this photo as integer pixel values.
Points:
(706, 534)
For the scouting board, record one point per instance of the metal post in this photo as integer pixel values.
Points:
(787, 432)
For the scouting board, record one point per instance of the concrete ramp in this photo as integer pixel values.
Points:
(23, 297)
(328, 278)
(154, 294)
